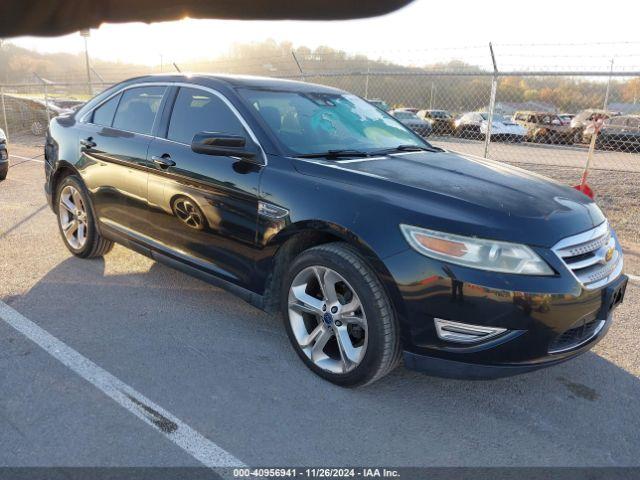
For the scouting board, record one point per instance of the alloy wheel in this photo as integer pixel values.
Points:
(73, 217)
(327, 319)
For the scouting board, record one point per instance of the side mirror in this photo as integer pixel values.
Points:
(225, 145)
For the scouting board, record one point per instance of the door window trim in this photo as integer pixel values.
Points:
(222, 97)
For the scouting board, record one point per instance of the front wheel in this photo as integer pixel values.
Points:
(338, 316)
(76, 222)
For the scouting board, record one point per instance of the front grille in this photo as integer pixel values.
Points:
(592, 256)
(576, 336)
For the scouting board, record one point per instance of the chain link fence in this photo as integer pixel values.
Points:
(540, 121)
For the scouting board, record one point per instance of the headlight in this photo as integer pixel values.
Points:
(478, 253)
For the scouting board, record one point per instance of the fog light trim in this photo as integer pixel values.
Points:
(465, 332)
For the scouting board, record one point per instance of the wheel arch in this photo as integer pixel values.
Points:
(63, 170)
(300, 236)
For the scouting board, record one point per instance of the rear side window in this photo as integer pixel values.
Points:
(138, 108)
(103, 115)
(196, 111)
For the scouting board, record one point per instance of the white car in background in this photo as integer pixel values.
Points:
(476, 124)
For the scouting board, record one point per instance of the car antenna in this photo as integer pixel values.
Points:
(177, 67)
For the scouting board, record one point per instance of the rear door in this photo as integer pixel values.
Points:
(114, 146)
(202, 208)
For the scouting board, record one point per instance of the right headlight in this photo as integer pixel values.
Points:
(492, 255)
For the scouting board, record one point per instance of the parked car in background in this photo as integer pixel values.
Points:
(620, 133)
(502, 129)
(468, 126)
(566, 118)
(372, 244)
(544, 127)
(586, 118)
(381, 104)
(412, 121)
(442, 122)
(68, 103)
(4, 156)
(28, 114)
(475, 125)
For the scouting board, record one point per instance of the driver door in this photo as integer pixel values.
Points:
(203, 209)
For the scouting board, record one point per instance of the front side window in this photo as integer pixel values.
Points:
(103, 115)
(196, 111)
(138, 108)
(311, 123)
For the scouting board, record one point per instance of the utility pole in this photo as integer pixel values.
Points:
(366, 80)
(85, 34)
(606, 95)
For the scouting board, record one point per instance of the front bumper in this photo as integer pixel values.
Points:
(535, 311)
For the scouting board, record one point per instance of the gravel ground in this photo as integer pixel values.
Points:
(227, 370)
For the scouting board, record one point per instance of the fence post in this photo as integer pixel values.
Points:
(4, 114)
(46, 103)
(366, 81)
(492, 103)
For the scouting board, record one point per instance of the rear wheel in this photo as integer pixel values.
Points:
(338, 317)
(76, 222)
(4, 169)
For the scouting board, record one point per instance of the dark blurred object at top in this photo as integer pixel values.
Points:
(58, 17)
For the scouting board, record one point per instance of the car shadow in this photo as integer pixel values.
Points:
(228, 370)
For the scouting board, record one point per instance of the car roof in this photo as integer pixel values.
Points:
(239, 81)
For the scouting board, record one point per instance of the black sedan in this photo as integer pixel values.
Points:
(371, 244)
(620, 133)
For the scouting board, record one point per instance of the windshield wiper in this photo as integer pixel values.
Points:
(411, 148)
(335, 154)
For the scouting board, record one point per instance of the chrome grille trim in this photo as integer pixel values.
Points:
(585, 256)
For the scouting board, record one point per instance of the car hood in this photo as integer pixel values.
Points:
(468, 196)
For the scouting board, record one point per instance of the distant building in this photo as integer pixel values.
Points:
(624, 108)
(509, 108)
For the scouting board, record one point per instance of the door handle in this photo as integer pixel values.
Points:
(88, 142)
(163, 161)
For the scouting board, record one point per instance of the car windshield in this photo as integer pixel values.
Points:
(310, 123)
(440, 114)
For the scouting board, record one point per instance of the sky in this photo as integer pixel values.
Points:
(567, 35)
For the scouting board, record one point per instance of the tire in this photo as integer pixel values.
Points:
(4, 170)
(37, 128)
(73, 207)
(370, 351)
